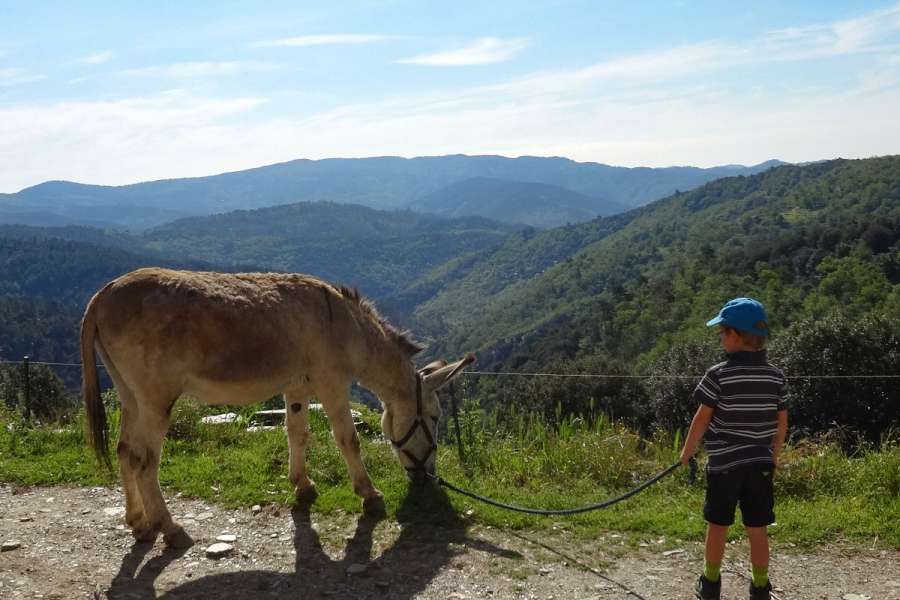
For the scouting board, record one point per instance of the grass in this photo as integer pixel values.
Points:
(823, 494)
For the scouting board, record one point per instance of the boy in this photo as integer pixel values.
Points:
(742, 414)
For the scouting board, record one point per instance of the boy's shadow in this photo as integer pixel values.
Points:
(430, 536)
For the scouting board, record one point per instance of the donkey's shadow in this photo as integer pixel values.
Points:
(430, 536)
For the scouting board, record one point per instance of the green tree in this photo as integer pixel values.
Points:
(47, 397)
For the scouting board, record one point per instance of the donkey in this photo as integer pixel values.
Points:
(238, 339)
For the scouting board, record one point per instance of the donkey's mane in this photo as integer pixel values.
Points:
(367, 308)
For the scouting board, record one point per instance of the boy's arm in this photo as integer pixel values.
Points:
(780, 435)
(699, 424)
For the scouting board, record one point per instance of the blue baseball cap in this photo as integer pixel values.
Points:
(743, 314)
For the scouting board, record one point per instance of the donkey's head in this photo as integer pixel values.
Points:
(411, 424)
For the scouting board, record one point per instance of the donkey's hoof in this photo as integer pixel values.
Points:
(374, 505)
(145, 534)
(307, 495)
(178, 539)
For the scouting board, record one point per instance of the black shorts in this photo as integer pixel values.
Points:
(749, 486)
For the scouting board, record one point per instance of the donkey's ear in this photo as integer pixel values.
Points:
(432, 367)
(444, 375)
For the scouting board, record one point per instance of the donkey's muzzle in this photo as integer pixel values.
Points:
(419, 477)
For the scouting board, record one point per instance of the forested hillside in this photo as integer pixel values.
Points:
(803, 239)
(622, 295)
(376, 251)
(47, 275)
(45, 283)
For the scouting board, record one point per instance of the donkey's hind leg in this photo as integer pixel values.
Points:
(296, 404)
(134, 506)
(145, 449)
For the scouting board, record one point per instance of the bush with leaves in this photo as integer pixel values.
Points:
(577, 393)
(837, 345)
(676, 374)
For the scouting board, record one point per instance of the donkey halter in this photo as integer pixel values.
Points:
(419, 464)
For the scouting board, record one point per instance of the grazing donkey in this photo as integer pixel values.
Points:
(238, 339)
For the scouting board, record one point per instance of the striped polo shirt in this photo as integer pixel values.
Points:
(746, 393)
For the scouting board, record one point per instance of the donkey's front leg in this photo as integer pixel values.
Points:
(337, 407)
(296, 404)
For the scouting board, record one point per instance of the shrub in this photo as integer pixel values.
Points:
(814, 349)
(48, 398)
(670, 397)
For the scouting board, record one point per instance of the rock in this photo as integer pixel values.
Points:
(10, 545)
(855, 597)
(255, 509)
(219, 550)
(672, 552)
(545, 571)
(204, 516)
(226, 537)
(357, 569)
(115, 511)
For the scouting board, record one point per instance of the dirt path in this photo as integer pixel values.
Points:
(73, 545)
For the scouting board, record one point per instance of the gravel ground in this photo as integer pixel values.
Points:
(67, 543)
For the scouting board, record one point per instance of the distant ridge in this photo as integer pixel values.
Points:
(380, 182)
(536, 204)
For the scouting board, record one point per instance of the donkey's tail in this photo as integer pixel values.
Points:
(95, 426)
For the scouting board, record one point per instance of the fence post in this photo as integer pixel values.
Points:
(27, 409)
(459, 440)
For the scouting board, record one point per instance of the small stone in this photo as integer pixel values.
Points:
(115, 511)
(855, 597)
(219, 550)
(11, 545)
(255, 509)
(544, 571)
(204, 516)
(357, 569)
(227, 537)
(673, 552)
(26, 519)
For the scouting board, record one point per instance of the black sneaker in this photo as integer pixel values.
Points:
(708, 590)
(760, 593)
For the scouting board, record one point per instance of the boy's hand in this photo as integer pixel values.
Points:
(686, 456)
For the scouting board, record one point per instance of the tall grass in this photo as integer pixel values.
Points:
(822, 492)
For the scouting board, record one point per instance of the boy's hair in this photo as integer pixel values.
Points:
(757, 342)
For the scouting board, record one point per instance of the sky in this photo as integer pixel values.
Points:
(119, 92)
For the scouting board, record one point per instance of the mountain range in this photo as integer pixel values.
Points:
(576, 190)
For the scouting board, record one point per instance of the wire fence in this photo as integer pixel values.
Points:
(535, 374)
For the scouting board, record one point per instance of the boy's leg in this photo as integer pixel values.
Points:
(759, 554)
(718, 510)
(716, 536)
(757, 507)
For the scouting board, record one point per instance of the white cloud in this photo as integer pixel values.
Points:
(12, 76)
(862, 32)
(480, 52)
(647, 108)
(96, 58)
(192, 70)
(134, 139)
(324, 40)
